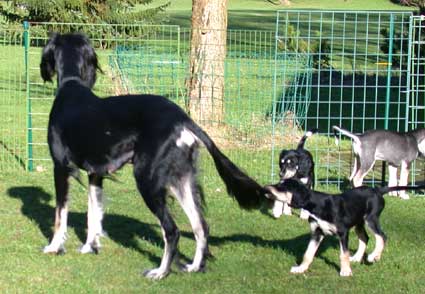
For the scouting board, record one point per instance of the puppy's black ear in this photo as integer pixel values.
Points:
(47, 65)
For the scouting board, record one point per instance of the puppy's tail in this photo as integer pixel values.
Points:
(247, 192)
(304, 138)
(384, 190)
(344, 132)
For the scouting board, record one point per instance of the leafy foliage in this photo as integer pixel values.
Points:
(84, 11)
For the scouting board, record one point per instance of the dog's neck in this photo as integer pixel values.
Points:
(63, 81)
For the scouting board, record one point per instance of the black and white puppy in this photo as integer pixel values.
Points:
(336, 215)
(101, 135)
(398, 149)
(298, 164)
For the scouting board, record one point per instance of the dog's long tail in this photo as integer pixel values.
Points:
(247, 192)
(304, 138)
(344, 132)
(384, 190)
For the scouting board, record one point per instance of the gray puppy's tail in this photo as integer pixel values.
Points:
(346, 133)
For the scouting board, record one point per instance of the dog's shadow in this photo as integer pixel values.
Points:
(126, 230)
(121, 229)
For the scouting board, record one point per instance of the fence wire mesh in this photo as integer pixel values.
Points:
(12, 100)
(316, 70)
(360, 76)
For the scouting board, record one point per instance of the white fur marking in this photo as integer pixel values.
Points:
(186, 199)
(186, 138)
(326, 227)
(58, 241)
(94, 219)
(421, 147)
(304, 180)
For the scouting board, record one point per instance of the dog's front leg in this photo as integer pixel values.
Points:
(345, 270)
(94, 215)
(61, 178)
(313, 245)
(392, 181)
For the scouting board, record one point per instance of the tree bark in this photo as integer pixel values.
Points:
(205, 84)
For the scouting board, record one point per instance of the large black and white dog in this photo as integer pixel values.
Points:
(298, 164)
(399, 149)
(336, 215)
(101, 135)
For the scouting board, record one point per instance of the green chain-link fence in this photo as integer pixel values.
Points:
(13, 140)
(360, 76)
(319, 68)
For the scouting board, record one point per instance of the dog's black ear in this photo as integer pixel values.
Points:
(91, 63)
(47, 65)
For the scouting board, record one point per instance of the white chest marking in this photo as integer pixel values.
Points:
(186, 138)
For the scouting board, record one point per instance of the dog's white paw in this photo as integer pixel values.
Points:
(304, 214)
(155, 274)
(88, 248)
(54, 249)
(299, 269)
(346, 273)
(191, 268)
(373, 258)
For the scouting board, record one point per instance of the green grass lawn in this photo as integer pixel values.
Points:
(253, 253)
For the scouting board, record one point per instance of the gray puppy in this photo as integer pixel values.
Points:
(398, 149)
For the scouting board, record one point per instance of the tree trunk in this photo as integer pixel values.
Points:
(205, 84)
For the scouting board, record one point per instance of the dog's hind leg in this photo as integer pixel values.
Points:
(61, 178)
(373, 224)
(186, 193)
(365, 165)
(363, 239)
(154, 192)
(355, 168)
(94, 215)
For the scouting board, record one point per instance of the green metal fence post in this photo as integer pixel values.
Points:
(389, 67)
(29, 121)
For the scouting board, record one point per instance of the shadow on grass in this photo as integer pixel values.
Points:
(121, 229)
(126, 230)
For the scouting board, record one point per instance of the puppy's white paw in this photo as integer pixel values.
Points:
(404, 196)
(373, 257)
(346, 273)
(277, 209)
(287, 210)
(299, 269)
